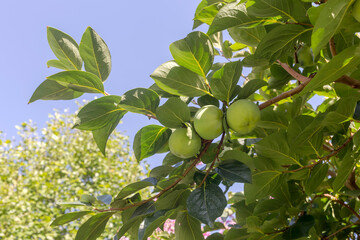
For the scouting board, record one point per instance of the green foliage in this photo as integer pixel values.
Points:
(45, 170)
(299, 164)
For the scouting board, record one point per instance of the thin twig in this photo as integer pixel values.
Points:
(284, 95)
(293, 73)
(151, 116)
(352, 82)
(325, 158)
(164, 190)
(332, 47)
(340, 230)
(335, 199)
(215, 158)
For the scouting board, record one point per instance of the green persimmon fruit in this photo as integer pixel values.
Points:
(182, 146)
(356, 10)
(242, 116)
(208, 122)
(305, 56)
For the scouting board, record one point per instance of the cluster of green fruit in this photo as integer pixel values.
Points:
(241, 116)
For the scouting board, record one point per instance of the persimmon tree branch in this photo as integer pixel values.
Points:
(335, 199)
(215, 158)
(332, 47)
(293, 73)
(136, 204)
(340, 230)
(325, 158)
(284, 95)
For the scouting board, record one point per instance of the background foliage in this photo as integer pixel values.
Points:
(44, 167)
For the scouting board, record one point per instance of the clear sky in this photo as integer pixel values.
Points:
(138, 34)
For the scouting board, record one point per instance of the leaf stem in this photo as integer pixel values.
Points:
(164, 190)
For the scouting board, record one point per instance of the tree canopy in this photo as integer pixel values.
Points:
(42, 169)
(299, 163)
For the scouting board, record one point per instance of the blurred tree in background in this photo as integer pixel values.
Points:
(57, 164)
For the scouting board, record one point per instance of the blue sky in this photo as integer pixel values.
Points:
(137, 33)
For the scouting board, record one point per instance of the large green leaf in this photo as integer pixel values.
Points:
(264, 183)
(93, 227)
(195, 52)
(187, 227)
(65, 48)
(68, 217)
(149, 140)
(101, 135)
(276, 147)
(206, 203)
(174, 113)
(347, 165)
(317, 175)
(248, 36)
(299, 229)
(279, 42)
(294, 10)
(231, 15)
(251, 87)
(51, 90)
(344, 111)
(178, 80)
(328, 23)
(233, 170)
(140, 100)
(132, 188)
(79, 81)
(95, 54)
(343, 63)
(99, 113)
(58, 64)
(223, 82)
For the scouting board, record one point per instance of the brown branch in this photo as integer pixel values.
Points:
(293, 73)
(164, 190)
(284, 95)
(106, 94)
(333, 198)
(323, 158)
(213, 162)
(352, 82)
(340, 230)
(151, 116)
(332, 47)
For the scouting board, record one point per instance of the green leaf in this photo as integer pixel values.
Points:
(273, 119)
(294, 10)
(144, 209)
(231, 15)
(51, 90)
(207, 100)
(346, 61)
(264, 183)
(248, 36)
(275, 146)
(208, 13)
(87, 199)
(132, 188)
(58, 64)
(160, 171)
(195, 52)
(178, 80)
(128, 223)
(102, 135)
(95, 54)
(65, 48)
(223, 82)
(187, 227)
(235, 171)
(93, 227)
(346, 167)
(99, 113)
(344, 111)
(149, 140)
(206, 203)
(299, 229)
(251, 87)
(172, 199)
(68, 217)
(174, 113)
(171, 159)
(140, 100)
(328, 23)
(79, 81)
(151, 223)
(317, 175)
(279, 42)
